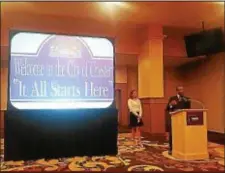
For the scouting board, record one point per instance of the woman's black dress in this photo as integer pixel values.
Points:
(134, 121)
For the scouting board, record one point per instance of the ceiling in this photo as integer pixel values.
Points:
(180, 14)
(130, 14)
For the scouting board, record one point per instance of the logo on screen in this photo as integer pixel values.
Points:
(64, 48)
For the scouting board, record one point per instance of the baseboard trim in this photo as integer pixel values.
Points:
(216, 137)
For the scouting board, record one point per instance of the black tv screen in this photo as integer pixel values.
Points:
(205, 43)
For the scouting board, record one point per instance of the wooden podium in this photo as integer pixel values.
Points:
(189, 130)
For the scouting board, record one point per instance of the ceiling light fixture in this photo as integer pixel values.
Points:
(220, 2)
(113, 8)
(114, 3)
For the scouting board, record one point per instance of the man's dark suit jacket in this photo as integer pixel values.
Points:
(182, 104)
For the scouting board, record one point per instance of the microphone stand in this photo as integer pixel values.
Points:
(196, 101)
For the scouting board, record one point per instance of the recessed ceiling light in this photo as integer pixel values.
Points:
(112, 8)
(114, 3)
(220, 2)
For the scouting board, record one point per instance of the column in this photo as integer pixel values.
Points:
(151, 80)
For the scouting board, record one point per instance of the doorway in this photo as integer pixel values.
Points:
(118, 105)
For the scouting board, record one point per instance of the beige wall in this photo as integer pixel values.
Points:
(203, 81)
(132, 79)
(121, 74)
(127, 75)
(171, 80)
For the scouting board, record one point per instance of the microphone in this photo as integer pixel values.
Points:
(185, 98)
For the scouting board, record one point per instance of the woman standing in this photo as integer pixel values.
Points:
(134, 105)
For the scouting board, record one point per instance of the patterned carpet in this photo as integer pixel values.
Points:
(152, 156)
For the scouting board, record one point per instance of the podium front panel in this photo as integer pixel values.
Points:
(195, 118)
(189, 129)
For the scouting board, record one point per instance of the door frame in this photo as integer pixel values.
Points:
(124, 120)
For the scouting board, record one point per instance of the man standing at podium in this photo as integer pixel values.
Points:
(175, 103)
